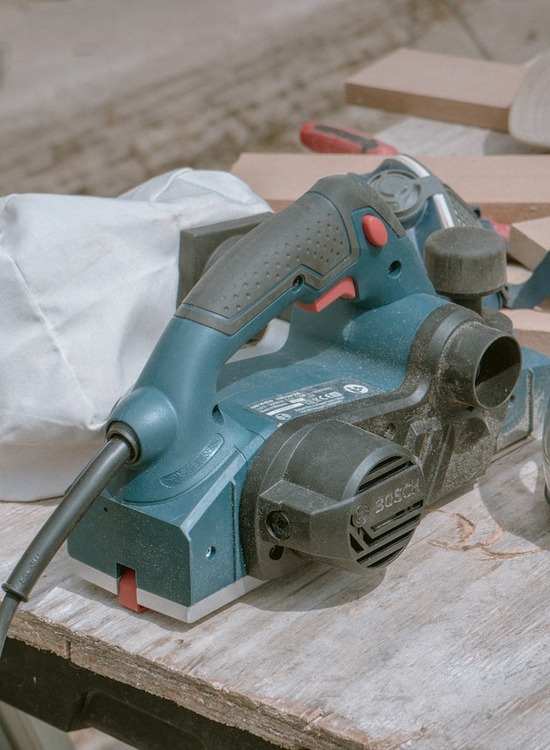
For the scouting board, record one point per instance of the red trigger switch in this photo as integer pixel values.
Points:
(345, 289)
(374, 230)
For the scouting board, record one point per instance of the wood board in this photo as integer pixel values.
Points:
(530, 112)
(508, 188)
(532, 328)
(444, 87)
(530, 241)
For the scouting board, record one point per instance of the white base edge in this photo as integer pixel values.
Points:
(164, 606)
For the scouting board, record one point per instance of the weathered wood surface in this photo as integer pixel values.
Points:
(447, 648)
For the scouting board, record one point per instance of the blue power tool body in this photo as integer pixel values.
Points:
(385, 397)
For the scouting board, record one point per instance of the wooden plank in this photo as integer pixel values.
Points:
(530, 241)
(532, 328)
(530, 112)
(508, 188)
(444, 87)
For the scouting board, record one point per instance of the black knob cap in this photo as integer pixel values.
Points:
(466, 263)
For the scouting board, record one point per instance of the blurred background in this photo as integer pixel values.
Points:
(98, 95)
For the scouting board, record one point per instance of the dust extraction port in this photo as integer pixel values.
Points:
(481, 366)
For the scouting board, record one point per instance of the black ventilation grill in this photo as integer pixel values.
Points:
(387, 509)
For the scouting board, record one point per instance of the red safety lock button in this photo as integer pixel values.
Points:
(374, 230)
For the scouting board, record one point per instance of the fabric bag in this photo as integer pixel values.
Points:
(88, 284)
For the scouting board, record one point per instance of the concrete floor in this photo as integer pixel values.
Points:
(98, 96)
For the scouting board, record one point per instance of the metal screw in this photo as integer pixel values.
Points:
(278, 524)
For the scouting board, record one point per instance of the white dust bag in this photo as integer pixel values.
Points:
(88, 284)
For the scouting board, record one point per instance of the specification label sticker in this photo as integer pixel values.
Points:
(310, 398)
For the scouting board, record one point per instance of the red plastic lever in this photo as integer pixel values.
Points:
(345, 289)
(127, 591)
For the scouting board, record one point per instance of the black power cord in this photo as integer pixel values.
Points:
(119, 450)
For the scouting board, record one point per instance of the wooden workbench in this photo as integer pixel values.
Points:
(445, 649)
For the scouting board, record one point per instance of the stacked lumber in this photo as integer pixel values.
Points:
(510, 188)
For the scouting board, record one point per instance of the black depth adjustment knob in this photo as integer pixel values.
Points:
(466, 264)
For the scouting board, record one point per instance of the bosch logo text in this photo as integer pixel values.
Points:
(397, 496)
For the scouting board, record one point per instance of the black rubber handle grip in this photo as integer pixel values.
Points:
(309, 243)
